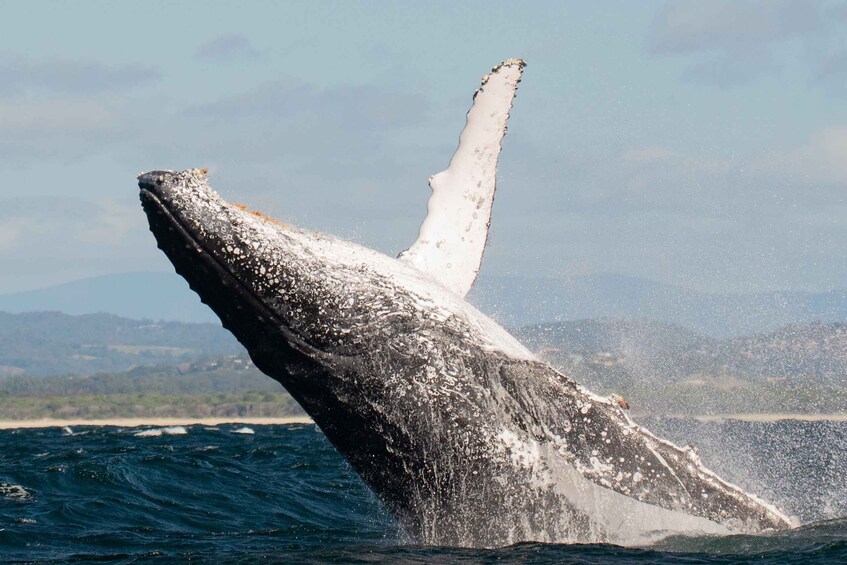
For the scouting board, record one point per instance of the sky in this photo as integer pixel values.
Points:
(701, 143)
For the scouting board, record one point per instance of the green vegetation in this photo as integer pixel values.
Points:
(664, 369)
(113, 367)
(96, 406)
(705, 398)
(222, 375)
(220, 387)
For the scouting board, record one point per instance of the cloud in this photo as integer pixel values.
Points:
(110, 225)
(822, 159)
(727, 69)
(49, 239)
(68, 220)
(651, 179)
(37, 116)
(832, 72)
(669, 160)
(332, 133)
(46, 232)
(353, 107)
(19, 73)
(227, 48)
(658, 211)
(838, 11)
(733, 42)
(310, 135)
(694, 26)
(66, 109)
(62, 130)
(10, 233)
(670, 178)
(647, 155)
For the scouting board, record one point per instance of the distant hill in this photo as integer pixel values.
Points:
(662, 367)
(812, 352)
(623, 336)
(513, 301)
(225, 374)
(140, 296)
(665, 352)
(227, 386)
(518, 301)
(51, 343)
(673, 371)
(605, 353)
(101, 365)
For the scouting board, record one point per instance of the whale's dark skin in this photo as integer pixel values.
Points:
(466, 437)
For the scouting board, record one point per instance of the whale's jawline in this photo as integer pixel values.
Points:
(211, 280)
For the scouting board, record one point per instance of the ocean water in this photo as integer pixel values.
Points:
(242, 494)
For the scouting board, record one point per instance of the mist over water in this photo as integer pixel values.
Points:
(798, 466)
(282, 493)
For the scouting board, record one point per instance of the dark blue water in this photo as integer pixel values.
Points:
(283, 495)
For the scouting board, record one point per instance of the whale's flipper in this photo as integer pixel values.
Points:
(452, 237)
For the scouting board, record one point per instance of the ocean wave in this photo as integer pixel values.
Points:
(285, 495)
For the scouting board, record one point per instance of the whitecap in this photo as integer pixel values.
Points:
(208, 448)
(244, 430)
(14, 492)
(156, 432)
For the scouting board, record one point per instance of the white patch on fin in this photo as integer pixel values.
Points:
(452, 236)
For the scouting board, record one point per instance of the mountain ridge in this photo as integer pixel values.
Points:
(512, 300)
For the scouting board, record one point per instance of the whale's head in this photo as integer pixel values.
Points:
(222, 251)
(300, 301)
(273, 285)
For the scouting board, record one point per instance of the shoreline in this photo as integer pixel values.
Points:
(257, 421)
(156, 422)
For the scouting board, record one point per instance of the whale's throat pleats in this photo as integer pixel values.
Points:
(452, 237)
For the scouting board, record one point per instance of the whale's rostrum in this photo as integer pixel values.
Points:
(465, 436)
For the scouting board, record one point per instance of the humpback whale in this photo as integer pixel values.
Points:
(467, 437)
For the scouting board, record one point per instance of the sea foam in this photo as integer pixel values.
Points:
(156, 432)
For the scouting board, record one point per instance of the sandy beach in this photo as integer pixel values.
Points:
(163, 422)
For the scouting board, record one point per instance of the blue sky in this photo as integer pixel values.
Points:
(699, 142)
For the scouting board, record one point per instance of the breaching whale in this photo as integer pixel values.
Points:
(463, 433)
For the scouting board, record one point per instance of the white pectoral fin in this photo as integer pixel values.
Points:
(452, 237)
